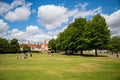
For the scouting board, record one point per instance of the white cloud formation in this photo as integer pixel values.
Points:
(52, 16)
(20, 35)
(81, 6)
(33, 30)
(21, 13)
(32, 34)
(84, 13)
(113, 21)
(4, 7)
(33, 11)
(16, 3)
(16, 11)
(3, 28)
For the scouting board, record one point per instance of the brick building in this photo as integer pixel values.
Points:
(36, 47)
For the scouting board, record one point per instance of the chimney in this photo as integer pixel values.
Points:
(28, 42)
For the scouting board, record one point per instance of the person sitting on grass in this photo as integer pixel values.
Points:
(26, 55)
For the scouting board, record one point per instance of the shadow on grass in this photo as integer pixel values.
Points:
(86, 55)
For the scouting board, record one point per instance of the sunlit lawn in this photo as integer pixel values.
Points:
(59, 67)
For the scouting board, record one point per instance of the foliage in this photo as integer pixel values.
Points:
(71, 38)
(84, 35)
(80, 23)
(14, 45)
(115, 43)
(9, 47)
(52, 44)
(3, 45)
(26, 49)
(97, 33)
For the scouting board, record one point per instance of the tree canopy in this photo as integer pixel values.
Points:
(115, 43)
(7, 46)
(84, 34)
(26, 49)
(97, 33)
(52, 44)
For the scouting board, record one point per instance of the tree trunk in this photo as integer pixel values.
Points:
(72, 52)
(96, 52)
(117, 54)
(81, 52)
(112, 52)
(55, 51)
(66, 52)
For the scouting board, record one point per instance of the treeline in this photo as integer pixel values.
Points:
(82, 35)
(7, 46)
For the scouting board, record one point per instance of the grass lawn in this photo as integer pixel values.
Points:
(59, 67)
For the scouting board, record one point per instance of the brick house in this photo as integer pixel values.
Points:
(36, 47)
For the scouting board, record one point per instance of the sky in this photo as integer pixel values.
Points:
(41, 20)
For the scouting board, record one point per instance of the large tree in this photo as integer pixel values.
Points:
(98, 34)
(80, 24)
(115, 44)
(3, 45)
(26, 49)
(52, 44)
(14, 45)
(83, 34)
(62, 43)
(7, 46)
(72, 37)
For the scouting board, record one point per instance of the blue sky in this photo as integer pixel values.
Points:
(39, 20)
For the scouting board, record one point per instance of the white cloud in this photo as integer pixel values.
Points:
(16, 3)
(84, 13)
(4, 7)
(3, 28)
(52, 16)
(33, 30)
(21, 13)
(32, 34)
(20, 35)
(81, 6)
(113, 21)
(33, 11)
(16, 11)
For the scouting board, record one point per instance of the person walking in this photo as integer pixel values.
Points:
(117, 54)
(30, 54)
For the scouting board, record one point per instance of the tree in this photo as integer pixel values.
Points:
(83, 34)
(115, 44)
(80, 24)
(98, 35)
(7, 46)
(62, 43)
(71, 38)
(72, 33)
(26, 49)
(3, 45)
(52, 44)
(14, 45)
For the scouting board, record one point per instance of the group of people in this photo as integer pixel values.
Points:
(25, 56)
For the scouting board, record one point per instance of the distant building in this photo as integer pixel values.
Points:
(36, 47)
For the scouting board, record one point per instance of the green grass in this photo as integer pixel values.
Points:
(59, 67)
